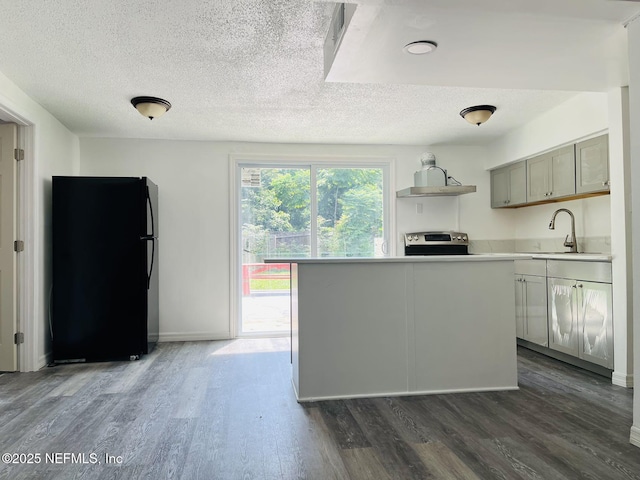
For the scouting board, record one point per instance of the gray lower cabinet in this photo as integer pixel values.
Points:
(563, 316)
(580, 313)
(531, 309)
(531, 301)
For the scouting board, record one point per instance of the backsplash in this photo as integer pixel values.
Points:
(585, 245)
(492, 246)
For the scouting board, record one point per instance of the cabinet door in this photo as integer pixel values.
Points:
(520, 306)
(563, 172)
(518, 183)
(500, 187)
(535, 300)
(563, 315)
(538, 178)
(592, 165)
(595, 318)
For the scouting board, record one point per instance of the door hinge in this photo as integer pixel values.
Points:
(18, 246)
(18, 154)
(18, 338)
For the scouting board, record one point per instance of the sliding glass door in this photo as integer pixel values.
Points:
(276, 219)
(301, 211)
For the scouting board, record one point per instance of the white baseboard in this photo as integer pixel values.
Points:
(622, 379)
(635, 436)
(402, 394)
(193, 336)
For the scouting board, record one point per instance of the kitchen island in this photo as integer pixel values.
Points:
(364, 327)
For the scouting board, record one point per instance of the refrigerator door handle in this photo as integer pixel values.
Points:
(153, 256)
(151, 238)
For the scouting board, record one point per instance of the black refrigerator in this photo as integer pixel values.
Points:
(104, 300)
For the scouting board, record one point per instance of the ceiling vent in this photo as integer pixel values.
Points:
(337, 24)
(342, 15)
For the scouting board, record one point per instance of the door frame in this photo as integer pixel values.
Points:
(284, 161)
(25, 262)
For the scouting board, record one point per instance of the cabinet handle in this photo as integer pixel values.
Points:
(606, 184)
(580, 285)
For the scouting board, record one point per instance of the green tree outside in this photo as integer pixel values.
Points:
(277, 215)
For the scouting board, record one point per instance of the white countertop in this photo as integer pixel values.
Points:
(478, 257)
(585, 257)
(490, 257)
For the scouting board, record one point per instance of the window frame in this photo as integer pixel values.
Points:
(239, 161)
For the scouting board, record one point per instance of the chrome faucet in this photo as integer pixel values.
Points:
(570, 240)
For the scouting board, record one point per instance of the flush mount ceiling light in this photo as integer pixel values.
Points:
(478, 114)
(421, 47)
(151, 107)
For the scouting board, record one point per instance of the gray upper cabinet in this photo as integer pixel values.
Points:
(538, 187)
(565, 173)
(509, 186)
(551, 175)
(592, 165)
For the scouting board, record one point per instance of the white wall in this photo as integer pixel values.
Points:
(193, 226)
(469, 213)
(580, 116)
(591, 219)
(54, 151)
(601, 220)
(633, 32)
(583, 115)
(621, 239)
(193, 178)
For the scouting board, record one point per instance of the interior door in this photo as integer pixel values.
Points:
(8, 317)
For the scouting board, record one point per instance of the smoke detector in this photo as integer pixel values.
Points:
(421, 47)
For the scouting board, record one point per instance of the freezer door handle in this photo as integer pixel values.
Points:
(151, 238)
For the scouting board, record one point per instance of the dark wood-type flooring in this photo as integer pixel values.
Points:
(226, 410)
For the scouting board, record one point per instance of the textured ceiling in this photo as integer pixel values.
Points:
(251, 70)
